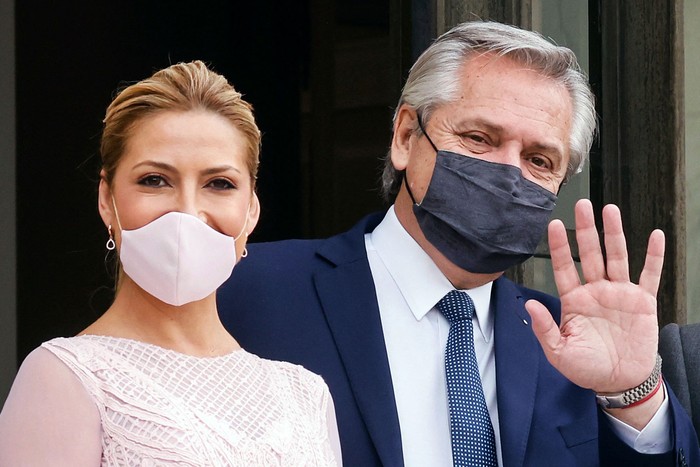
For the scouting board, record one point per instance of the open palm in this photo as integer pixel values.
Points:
(608, 336)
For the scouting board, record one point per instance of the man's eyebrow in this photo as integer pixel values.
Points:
(481, 123)
(548, 148)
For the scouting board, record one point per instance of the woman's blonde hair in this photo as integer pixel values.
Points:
(180, 87)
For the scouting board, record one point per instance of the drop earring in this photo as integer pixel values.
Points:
(110, 243)
(245, 252)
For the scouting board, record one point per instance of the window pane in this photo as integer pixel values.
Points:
(692, 154)
(566, 23)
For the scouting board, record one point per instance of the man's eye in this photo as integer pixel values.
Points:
(152, 181)
(221, 184)
(475, 138)
(539, 161)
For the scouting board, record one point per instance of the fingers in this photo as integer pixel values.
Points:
(588, 241)
(651, 274)
(615, 267)
(544, 327)
(617, 262)
(565, 273)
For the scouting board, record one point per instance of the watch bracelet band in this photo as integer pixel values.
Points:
(634, 395)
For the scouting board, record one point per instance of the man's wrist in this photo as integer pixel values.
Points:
(635, 396)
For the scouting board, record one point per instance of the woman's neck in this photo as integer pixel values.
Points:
(193, 328)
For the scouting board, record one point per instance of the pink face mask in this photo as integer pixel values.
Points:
(177, 258)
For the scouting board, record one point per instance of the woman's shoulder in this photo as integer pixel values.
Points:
(76, 350)
(47, 364)
(295, 376)
(44, 376)
(46, 410)
(94, 347)
(58, 342)
(42, 364)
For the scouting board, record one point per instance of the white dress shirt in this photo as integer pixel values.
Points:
(408, 286)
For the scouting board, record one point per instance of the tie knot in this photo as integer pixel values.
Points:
(456, 306)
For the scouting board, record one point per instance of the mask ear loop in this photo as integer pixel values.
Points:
(245, 224)
(116, 214)
(405, 178)
(111, 245)
(420, 125)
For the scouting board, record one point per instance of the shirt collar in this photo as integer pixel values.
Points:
(420, 281)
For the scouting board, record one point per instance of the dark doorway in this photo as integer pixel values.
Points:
(322, 76)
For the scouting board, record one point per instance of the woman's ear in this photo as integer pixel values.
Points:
(104, 201)
(253, 214)
(404, 127)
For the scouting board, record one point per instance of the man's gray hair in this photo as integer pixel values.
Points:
(433, 80)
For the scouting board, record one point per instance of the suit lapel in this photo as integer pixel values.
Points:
(517, 360)
(348, 298)
(347, 294)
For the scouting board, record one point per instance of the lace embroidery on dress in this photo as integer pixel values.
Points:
(161, 407)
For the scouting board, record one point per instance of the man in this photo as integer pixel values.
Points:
(492, 120)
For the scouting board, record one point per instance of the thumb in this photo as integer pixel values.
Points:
(544, 327)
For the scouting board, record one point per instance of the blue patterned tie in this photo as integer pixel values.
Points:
(473, 441)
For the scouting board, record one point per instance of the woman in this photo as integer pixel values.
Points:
(157, 380)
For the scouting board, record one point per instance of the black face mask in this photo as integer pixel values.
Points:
(483, 216)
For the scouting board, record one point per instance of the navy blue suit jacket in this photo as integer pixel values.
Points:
(313, 302)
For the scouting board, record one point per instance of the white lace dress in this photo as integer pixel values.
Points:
(128, 403)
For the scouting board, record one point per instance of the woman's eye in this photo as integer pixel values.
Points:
(221, 184)
(153, 181)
